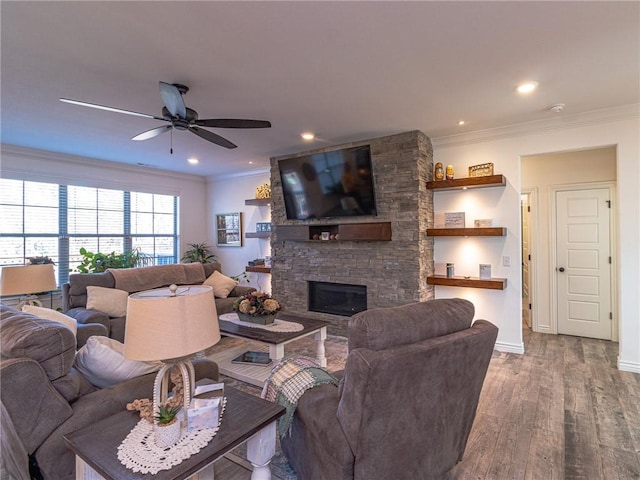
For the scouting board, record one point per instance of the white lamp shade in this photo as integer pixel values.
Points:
(25, 279)
(163, 327)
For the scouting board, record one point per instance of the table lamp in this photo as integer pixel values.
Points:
(171, 325)
(26, 280)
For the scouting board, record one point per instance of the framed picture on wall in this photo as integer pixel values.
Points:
(229, 229)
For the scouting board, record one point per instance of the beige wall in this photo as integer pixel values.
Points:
(541, 174)
(506, 147)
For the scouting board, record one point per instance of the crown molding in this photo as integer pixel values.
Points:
(15, 151)
(595, 117)
(245, 173)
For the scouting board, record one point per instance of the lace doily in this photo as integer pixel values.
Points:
(139, 452)
(277, 325)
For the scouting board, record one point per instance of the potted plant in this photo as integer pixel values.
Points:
(167, 426)
(257, 307)
(198, 253)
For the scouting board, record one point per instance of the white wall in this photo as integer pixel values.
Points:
(505, 147)
(40, 166)
(227, 195)
(541, 173)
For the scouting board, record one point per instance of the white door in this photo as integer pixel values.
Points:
(526, 259)
(583, 268)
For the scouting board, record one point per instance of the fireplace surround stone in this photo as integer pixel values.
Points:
(394, 272)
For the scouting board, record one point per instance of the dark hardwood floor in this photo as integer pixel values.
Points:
(560, 411)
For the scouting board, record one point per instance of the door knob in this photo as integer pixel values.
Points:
(561, 269)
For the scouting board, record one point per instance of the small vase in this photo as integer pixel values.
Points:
(167, 435)
(259, 319)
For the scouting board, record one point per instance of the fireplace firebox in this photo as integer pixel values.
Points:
(337, 298)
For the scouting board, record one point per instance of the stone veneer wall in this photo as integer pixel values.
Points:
(395, 272)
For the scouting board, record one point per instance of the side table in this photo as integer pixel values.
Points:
(246, 419)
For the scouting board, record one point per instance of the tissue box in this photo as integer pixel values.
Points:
(206, 407)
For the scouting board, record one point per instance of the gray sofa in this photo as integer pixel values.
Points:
(44, 397)
(406, 402)
(74, 293)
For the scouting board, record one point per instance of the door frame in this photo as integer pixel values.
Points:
(533, 247)
(553, 291)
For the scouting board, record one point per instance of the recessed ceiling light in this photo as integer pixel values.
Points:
(193, 161)
(308, 136)
(461, 122)
(527, 87)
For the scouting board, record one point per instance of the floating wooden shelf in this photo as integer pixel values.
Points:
(469, 182)
(258, 202)
(467, 232)
(473, 282)
(356, 232)
(257, 234)
(257, 269)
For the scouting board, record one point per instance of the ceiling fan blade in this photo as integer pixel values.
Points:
(233, 123)
(212, 137)
(109, 109)
(154, 132)
(172, 99)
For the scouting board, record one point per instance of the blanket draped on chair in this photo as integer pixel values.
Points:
(288, 381)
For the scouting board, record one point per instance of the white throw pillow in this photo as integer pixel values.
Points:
(102, 361)
(53, 315)
(111, 301)
(221, 284)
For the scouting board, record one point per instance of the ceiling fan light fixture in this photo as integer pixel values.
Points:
(526, 87)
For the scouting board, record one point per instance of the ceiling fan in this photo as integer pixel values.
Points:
(176, 113)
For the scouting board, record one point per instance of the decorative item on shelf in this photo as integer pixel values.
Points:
(481, 170)
(325, 236)
(438, 172)
(485, 270)
(454, 220)
(263, 226)
(167, 428)
(483, 222)
(267, 261)
(171, 325)
(449, 172)
(27, 281)
(257, 307)
(256, 262)
(263, 191)
(450, 270)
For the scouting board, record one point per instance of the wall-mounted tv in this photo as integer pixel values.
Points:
(329, 184)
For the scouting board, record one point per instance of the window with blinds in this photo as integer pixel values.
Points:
(44, 219)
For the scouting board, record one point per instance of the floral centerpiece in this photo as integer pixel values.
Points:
(257, 307)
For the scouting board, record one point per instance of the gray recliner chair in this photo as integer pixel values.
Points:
(407, 401)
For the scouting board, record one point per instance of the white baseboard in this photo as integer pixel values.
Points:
(510, 347)
(628, 366)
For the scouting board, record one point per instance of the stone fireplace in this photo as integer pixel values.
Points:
(392, 272)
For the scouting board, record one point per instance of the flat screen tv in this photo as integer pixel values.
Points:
(329, 184)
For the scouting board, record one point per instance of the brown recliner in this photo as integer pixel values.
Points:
(407, 401)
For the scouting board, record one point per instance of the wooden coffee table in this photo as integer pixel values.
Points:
(246, 419)
(263, 340)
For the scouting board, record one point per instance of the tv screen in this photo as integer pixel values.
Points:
(328, 184)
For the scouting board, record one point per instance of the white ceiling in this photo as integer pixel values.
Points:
(345, 70)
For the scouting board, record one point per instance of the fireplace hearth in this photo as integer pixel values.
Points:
(337, 298)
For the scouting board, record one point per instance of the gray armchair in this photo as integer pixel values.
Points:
(407, 401)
